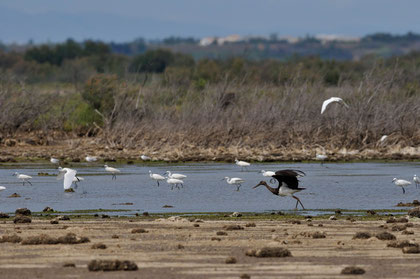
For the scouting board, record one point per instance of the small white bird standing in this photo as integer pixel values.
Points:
(91, 159)
(112, 170)
(156, 177)
(402, 183)
(145, 157)
(54, 161)
(332, 100)
(68, 174)
(321, 157)
(242, 164)
(2, 188)
(416, 180)
(268, 173)
(234, 181)
(175, 175)
(23, 177)
(174, 182)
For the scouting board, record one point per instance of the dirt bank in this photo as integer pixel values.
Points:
(76, 149)
(179, 248)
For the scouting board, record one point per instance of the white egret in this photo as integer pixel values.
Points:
(175, 182)
(321, 157)
(156, 177)
(2, 188)
(23, 177)
(234, 181)
(145, 157)
(242, 164)
(402, 183)
(112, 170)
(332, 100)
(383, 138)
(268, 173)
(175, 175)
(77, 179)
(69, 175)
(416, 180)
(54, 161)
(91, 159)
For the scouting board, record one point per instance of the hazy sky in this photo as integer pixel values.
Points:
(124, 20)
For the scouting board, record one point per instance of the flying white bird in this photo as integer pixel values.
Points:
(145, 157)
(68, 174)
(91, 159)
(416, 180)
(54, 160)
(242, 164)
(402, 183)
(2, 188)
(332, 100)
(234, 181)
(112, 170)
(156, 177)
(175, 175)
(175, 182)
(23, 177)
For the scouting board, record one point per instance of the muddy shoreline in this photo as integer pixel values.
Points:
(75, 150)
(176, 247)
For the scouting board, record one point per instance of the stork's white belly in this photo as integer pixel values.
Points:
(286, 191)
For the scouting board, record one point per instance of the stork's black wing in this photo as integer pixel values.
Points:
(288, 177)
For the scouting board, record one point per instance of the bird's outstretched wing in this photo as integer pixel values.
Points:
(68, 178)
(332, 100)
(288, 177)
(61, 174)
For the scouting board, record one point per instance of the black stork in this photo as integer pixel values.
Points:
(288, 184)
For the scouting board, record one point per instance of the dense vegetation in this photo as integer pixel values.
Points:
(161, 97)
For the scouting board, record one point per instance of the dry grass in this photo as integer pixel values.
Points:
(229, 119)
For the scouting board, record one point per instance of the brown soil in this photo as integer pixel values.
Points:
(65, 149)
(157, 253)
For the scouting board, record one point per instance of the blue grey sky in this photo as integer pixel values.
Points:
(125, 20)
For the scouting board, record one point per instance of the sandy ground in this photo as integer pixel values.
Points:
(158, 256)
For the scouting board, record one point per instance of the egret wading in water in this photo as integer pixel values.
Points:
(416, 180)
(234, 181)
(268, 174)
(174, 182)
(23, 177)
(288, 184)
(175, 175)
(402, 183)
(69, 175)
(332, 100)
(2, 188)
(112, 170)
(54, 161)
(77, 179)
(242, 164)
(156, 177)
(91, 159)
(321, 157)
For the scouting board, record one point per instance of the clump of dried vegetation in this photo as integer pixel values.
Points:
(228, 116)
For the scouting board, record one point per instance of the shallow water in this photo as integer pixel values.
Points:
(342, 185)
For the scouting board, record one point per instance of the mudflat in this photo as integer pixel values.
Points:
(176, 247)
